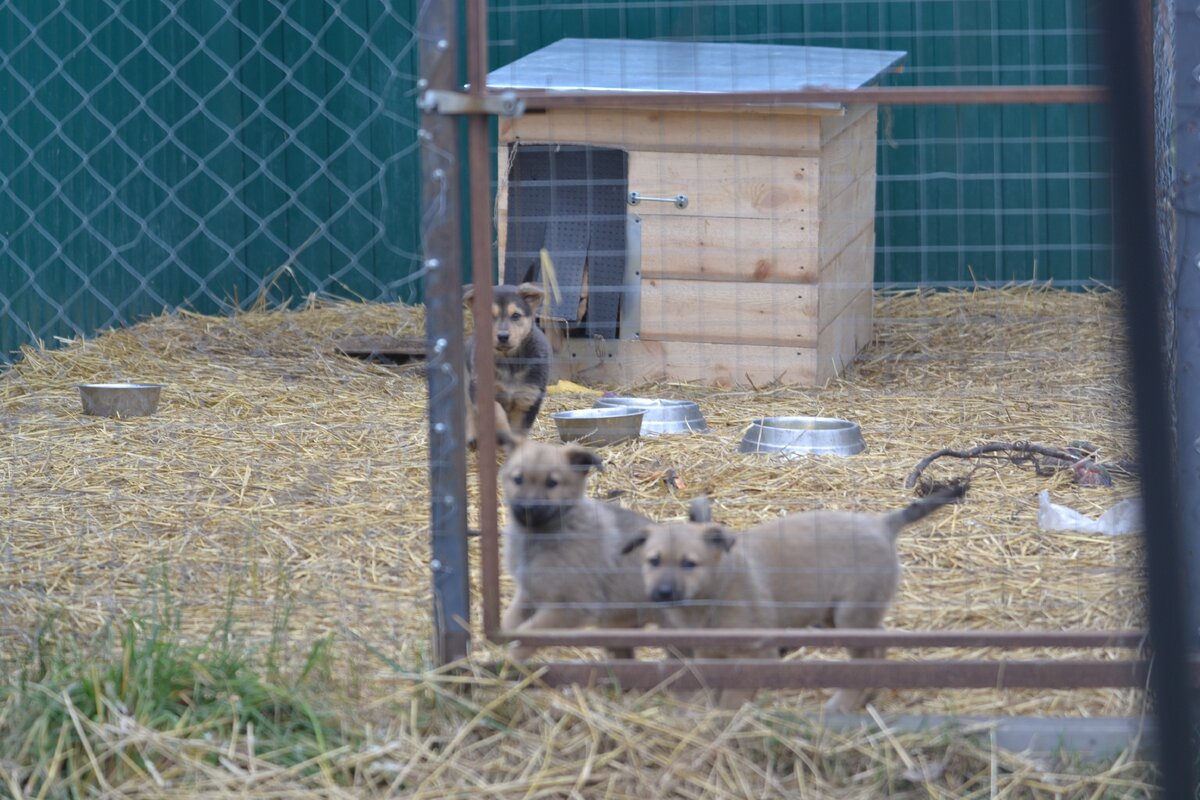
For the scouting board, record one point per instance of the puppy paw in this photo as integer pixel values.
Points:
(519, 654)
(845, 701)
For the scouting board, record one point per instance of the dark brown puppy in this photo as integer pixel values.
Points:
(563, 549)
(522, 359)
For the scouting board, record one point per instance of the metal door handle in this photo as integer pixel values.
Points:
(679, 200)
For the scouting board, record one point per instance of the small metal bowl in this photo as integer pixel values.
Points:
(819, 435)
(119, 399)
(598, 426)
(661, 416)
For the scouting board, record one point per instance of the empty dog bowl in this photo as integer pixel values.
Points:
(119, 399)
(661, 416)
(828, 435)
(598, 425)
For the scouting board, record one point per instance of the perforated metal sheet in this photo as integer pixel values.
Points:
(570, 200)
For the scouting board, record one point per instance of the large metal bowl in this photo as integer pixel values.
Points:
(821, 435)
(598, 426)
(661, 416)
(119, 399)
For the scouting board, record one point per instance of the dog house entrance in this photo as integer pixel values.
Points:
(570, 200)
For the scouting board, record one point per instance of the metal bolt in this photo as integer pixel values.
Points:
(440, 345)
(422, 84)
(439, 174)
(432, 263)
(435, 565)
(439, 427)
(424, 135)
(442, 44)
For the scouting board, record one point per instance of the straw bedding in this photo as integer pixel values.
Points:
(286, 486)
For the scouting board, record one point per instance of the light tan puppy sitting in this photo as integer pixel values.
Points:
(563, 548)
(831, 568)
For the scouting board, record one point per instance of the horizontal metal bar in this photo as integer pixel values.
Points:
(864, 673)
(504, 104)
(820, 638)
(538, 99)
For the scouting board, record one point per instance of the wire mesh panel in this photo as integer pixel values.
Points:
(934, 275)
(221, 184)
(233, 189)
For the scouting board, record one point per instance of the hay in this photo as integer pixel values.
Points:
(498, 739)
(279, 479)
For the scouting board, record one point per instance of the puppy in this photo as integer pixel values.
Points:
(563, 549)
(522, 355)
(831, 568)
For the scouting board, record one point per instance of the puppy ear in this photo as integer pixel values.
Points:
(584, 459)
(718, 536)
(636, 542)
(532, 294)
(468, 294)
(700, 510)
(508, 441)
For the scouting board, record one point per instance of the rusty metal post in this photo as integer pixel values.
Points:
(441, 234)
(480, 200)
(1171, 633)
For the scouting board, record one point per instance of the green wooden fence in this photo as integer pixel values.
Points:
(194, 153)
(167, 153)
(988, 194)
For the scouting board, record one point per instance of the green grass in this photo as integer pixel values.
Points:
(134, 703)
(140, 710)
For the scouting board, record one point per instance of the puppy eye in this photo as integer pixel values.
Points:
(687, 563)
(551, 483)
(515, 317)
(654, 561)
(518, 479)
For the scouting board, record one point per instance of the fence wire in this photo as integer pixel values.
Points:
(199, 195)
(217, 159)
(963, 253)
(201, 155)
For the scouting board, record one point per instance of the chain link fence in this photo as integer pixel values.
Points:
(201, 155)
(218, 183)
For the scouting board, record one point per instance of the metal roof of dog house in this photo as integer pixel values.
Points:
(644, 65)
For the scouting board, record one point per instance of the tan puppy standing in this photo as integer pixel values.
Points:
(837, 569)
(563, 548)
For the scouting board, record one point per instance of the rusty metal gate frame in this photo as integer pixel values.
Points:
(1006, 674)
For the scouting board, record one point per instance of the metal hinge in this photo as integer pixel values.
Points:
(440, 101)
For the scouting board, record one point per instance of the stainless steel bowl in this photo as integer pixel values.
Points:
(661, 416)
(119, 399)
(822, 435)
(598, 425)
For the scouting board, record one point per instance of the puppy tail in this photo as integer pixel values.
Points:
(943, 495)
(700, 509)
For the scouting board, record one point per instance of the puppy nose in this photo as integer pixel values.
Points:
(663, 593)
(502, 338)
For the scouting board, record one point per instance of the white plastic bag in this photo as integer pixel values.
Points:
(1124, 517)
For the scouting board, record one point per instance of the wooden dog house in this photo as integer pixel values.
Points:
(730, 247)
